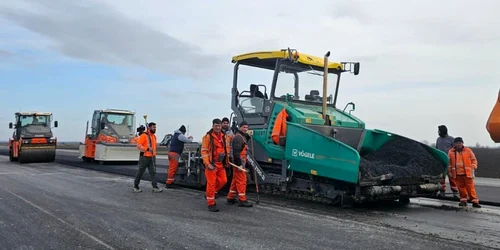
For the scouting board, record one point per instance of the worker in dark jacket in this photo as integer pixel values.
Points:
(174, 154)
(239, 147)
(444, 143)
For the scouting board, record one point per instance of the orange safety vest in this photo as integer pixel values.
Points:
(212, 147)
(147, 140)
(279, 128)
(461, 163)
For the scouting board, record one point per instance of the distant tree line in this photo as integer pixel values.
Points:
(476, 146)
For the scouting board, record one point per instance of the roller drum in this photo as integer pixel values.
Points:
(37, 154)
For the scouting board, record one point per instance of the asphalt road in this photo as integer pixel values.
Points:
(54, 206)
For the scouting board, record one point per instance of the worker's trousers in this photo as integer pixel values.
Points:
(466, 189)
(216, 179)
(149, 163)
(173, 164)
(453, 185)
(238, 185)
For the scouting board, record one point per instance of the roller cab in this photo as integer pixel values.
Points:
(111, 137)
(32, 140)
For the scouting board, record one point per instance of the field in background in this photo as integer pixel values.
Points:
(488, 158)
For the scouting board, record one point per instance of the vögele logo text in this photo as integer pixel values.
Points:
(302, 153)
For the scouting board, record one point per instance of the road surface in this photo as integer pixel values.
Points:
(54, 206)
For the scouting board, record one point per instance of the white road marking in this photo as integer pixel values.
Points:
(61, 220)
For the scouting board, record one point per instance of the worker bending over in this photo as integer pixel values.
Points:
(462, 164)
(239, 147)
(444, 143)
(214, 152)
(147, 145)
(174, 154)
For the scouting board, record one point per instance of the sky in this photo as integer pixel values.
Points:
(423, 63)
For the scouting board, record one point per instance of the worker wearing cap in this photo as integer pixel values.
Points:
(462, 164)
(239, 147)
(444, 143)
(214, 155)
(147, 145)
(176, 149)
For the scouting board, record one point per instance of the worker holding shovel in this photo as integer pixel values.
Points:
(239, 146)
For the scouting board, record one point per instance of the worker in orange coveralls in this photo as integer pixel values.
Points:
(239, 147)
(214, 154)
(462, 164)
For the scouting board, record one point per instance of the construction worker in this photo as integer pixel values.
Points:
(214, 154)
(239, 147)
(174, 153)
(444, 143)
(229, 136)
(462, 165)
(147, 145)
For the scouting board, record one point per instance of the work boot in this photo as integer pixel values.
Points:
(213, 208)
(169, 186)
(462, 204)
(245, 204)
(231, 201)
(476, 205)
(137, 189)
(441, 193)
(157, 190)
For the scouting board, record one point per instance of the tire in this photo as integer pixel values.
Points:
(11, 155)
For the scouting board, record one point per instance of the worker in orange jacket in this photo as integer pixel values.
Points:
(239, 147)
(147, 145)
(462, 164)
(214, 152)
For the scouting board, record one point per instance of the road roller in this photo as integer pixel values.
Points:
(111, 137)
(32, 140)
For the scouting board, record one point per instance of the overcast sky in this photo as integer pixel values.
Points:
(423, 63)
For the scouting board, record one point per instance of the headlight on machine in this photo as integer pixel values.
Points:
(26, 141)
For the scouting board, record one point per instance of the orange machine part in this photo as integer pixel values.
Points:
(39, 140)
(493, 124)
(15, 147)
(90, 147)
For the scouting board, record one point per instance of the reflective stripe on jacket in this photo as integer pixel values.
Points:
(461, 163)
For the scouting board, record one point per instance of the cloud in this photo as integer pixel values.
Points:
(418, 58)
(5, 54)
(96, 32)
